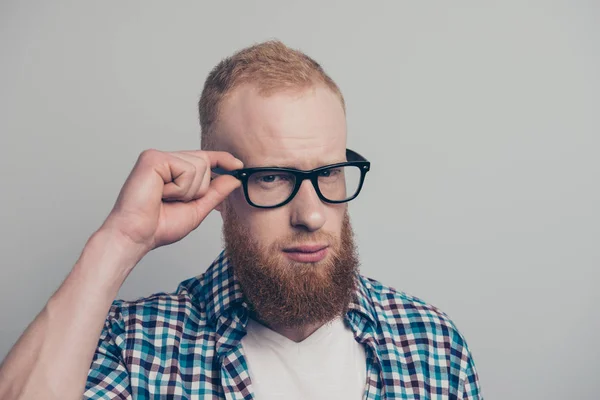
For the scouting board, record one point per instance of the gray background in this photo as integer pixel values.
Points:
(481, 122)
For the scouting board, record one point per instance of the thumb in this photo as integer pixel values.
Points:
(218, 190)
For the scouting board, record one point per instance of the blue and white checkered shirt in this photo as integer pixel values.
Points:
(187, 345)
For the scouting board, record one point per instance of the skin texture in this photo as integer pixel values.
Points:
(166, 196)
(303, 129)
(299, 129)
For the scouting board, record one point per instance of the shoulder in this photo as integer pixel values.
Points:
(418, 338)
(189, 311)
(409, 321)
(167, 311)
(394, 305)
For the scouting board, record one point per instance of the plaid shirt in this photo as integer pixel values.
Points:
(187, 345)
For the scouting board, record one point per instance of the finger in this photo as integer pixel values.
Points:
(205, 184)
(219, 158)
(215, 159)
(199, 184)
(178, 176)
(218, 190)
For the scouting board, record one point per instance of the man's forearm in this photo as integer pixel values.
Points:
(53, 356)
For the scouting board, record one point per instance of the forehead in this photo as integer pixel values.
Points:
(296, 128)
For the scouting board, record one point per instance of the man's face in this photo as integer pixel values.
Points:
(298, 129)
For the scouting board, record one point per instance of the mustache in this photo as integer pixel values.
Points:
(303, 238)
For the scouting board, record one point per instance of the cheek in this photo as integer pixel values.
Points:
(335, 219)
(237, 201)
(264, 226)
(266, 230)
(268, 226)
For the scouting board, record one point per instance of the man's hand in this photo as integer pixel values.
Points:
(168, 194)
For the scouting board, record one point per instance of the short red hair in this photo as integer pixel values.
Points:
(270, 66)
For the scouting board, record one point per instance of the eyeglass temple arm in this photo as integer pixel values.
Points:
(222, 171)
(351, 155)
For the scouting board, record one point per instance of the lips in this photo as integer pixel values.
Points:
(309, 253)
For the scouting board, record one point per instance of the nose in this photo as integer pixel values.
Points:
(308, 211)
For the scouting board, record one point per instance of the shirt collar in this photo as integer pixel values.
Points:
(362, 302)
(220, 291)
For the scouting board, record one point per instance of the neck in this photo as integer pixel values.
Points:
(296, 333)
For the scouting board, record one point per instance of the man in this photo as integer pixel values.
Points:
(283, 311)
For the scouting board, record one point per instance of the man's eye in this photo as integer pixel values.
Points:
(268, 178)
(265, 179)
(330, 173)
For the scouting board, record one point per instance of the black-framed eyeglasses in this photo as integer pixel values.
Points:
(272, 187)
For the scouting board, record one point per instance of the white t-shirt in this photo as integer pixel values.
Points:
(329, 364)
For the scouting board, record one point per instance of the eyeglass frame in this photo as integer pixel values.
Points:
(354, 160)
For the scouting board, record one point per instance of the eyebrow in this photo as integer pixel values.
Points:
(222, 171)
(289, 166)
(351, 156)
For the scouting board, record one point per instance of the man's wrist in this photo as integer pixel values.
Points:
(107, 259)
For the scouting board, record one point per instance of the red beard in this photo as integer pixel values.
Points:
(290, 294)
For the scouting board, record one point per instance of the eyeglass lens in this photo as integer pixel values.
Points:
(269, 188)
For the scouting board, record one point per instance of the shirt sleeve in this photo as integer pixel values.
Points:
(471, 389)
(108, 377)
